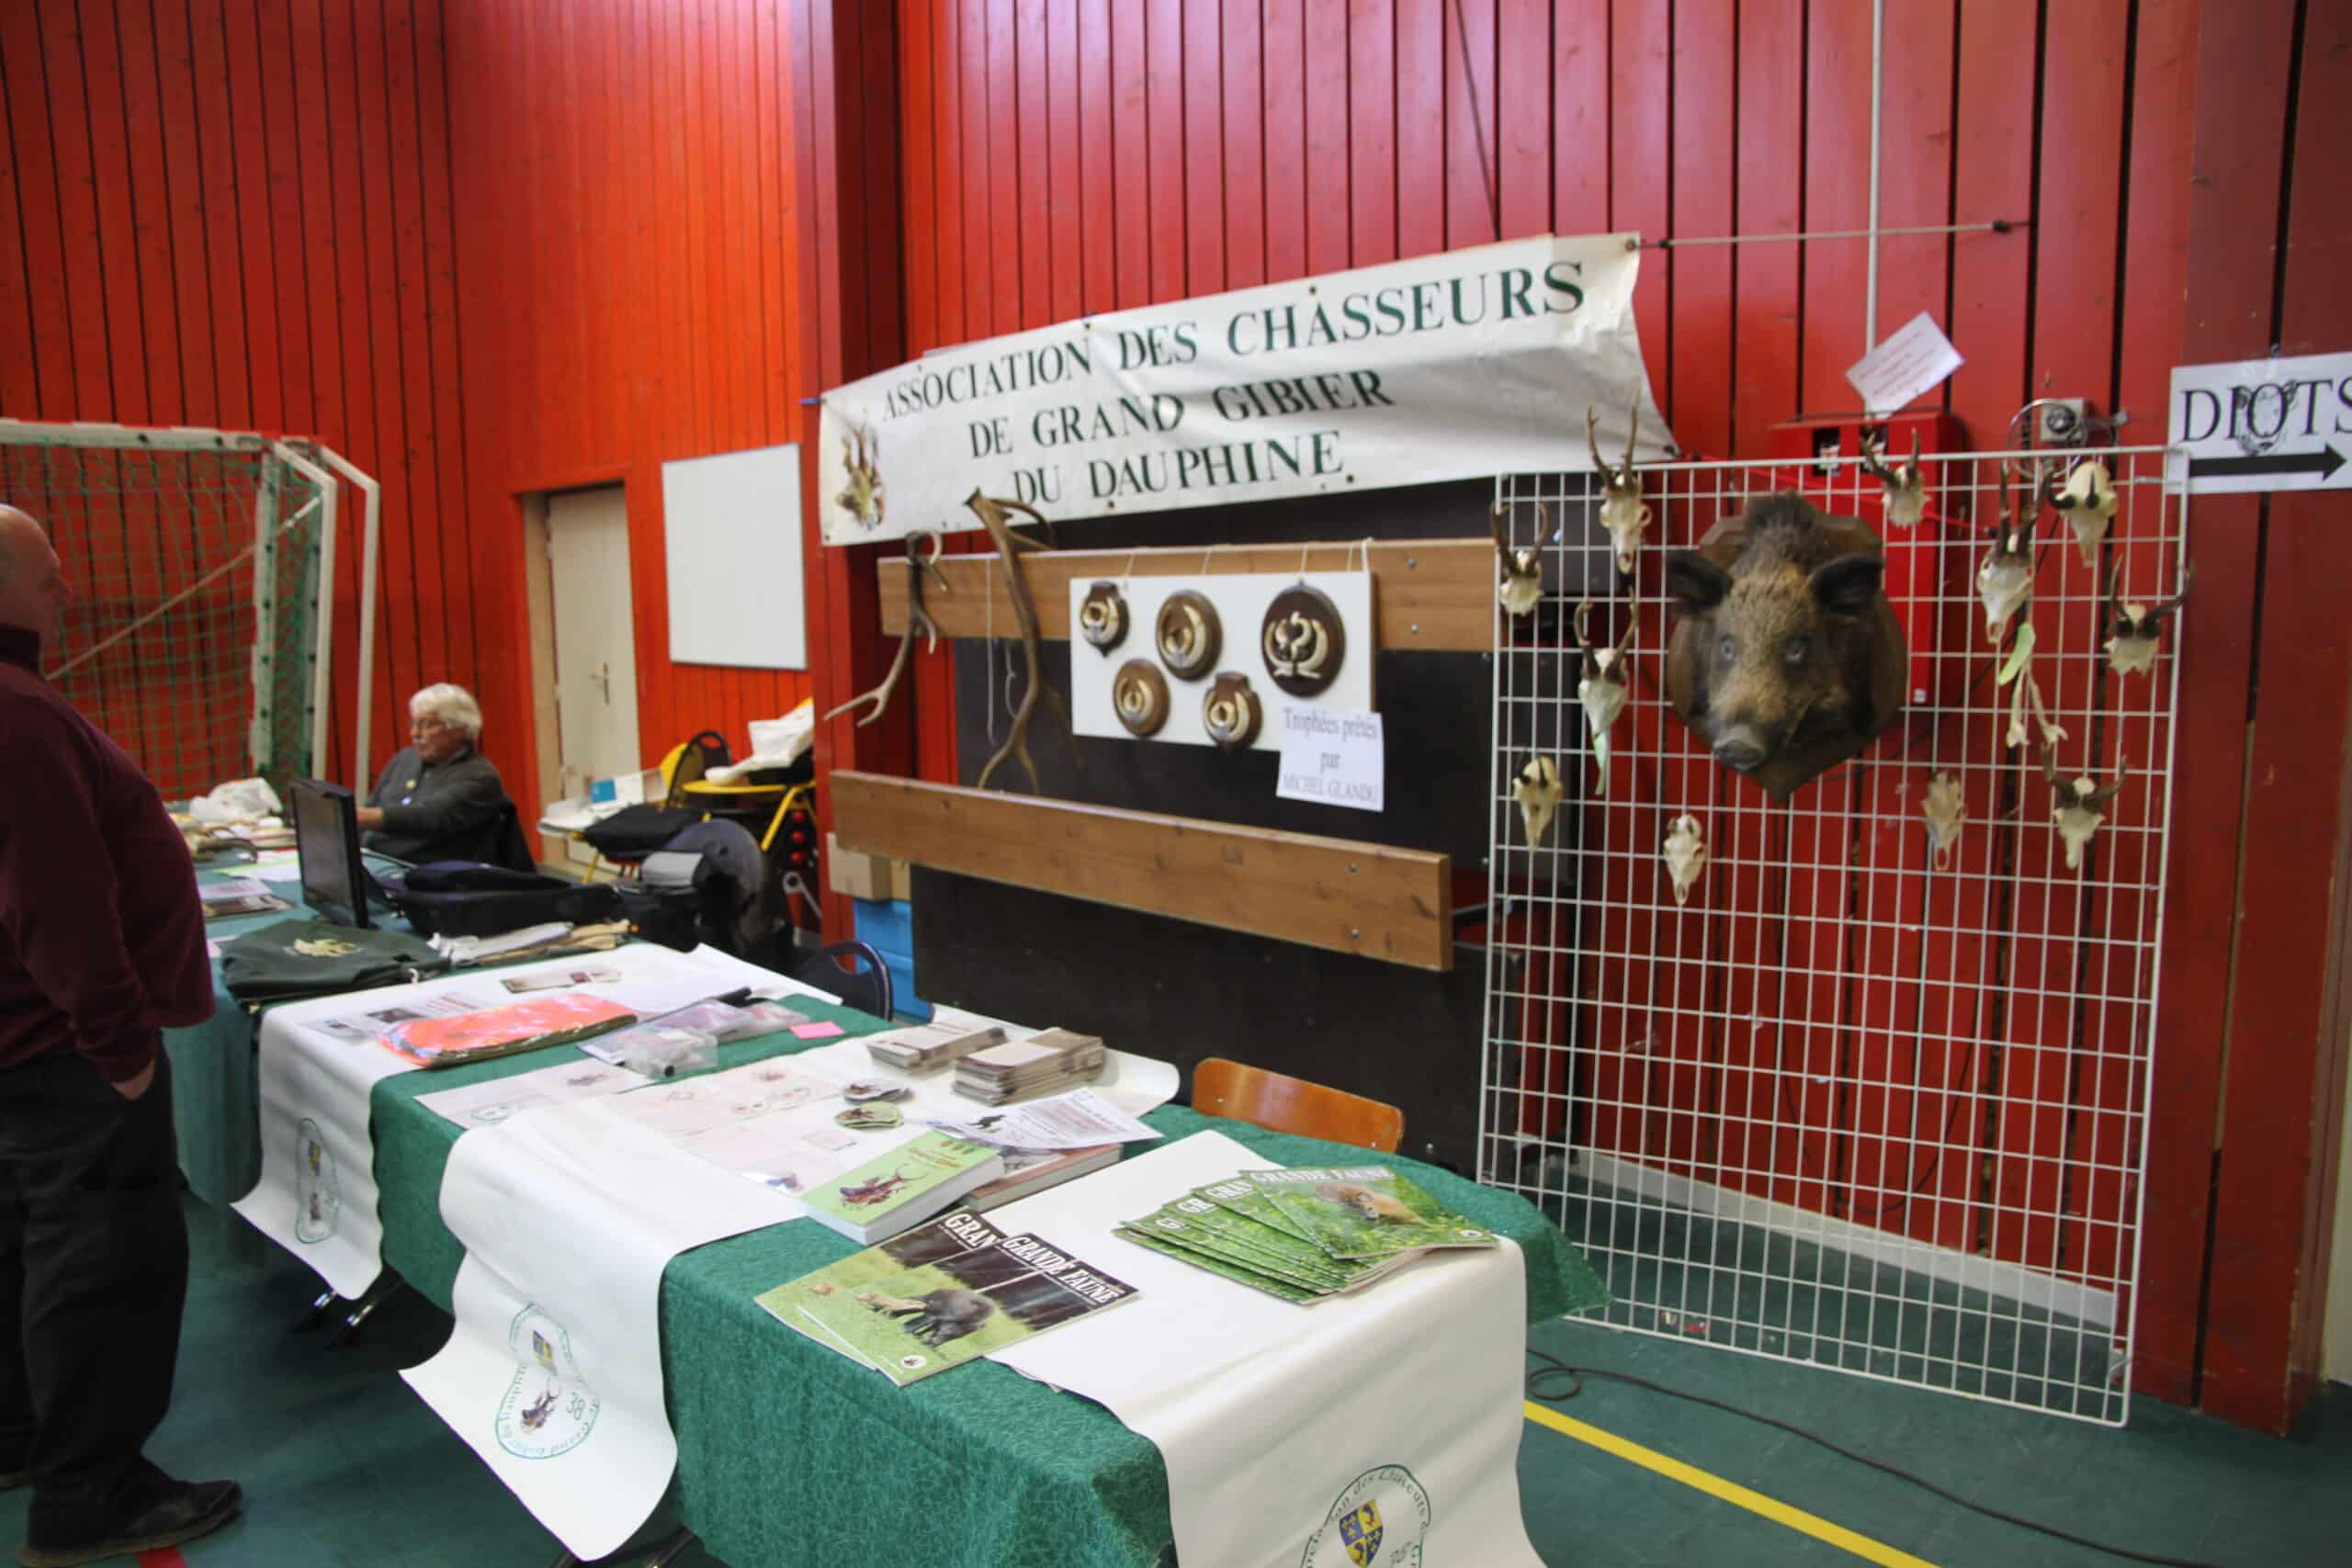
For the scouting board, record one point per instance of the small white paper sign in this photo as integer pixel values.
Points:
(1332, 755)
(1913, 359)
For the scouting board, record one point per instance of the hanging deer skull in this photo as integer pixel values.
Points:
(1946, 812)
(1538, 791)
(1686, 854)
(862, 497)
(2077, 813)
(2018, 672)
(2087, 501)
(2134, 631)
(1603, 688)
(1523, 570)
(1623, 511)
(2005, 577)
(1905, 483)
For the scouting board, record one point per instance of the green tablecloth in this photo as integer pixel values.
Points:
(791, 1455)
(216, 1092)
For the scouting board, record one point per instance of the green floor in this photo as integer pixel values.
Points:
(342, 1464)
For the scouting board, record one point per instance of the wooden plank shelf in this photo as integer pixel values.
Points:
(1429, 595)
(1368, 899)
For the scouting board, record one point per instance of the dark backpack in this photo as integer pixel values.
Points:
(468, 898)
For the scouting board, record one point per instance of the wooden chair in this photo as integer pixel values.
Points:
(1284, 1105)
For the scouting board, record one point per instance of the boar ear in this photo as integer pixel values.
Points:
(1847, 585)
(1697, 583)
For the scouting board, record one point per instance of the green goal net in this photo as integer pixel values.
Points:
(201, 565)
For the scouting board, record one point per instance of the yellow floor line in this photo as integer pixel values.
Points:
(1771, 1508)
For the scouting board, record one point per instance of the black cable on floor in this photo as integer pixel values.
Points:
(1575, 1376)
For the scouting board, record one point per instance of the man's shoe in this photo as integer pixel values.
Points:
(186, 1510)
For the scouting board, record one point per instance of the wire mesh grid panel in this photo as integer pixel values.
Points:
(1858, 1078)
(194, 570)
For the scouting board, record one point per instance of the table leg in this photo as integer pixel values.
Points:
(383, 1290)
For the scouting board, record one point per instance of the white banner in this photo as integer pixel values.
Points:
(1450, 366)
(567, 1368)
(1378, 1430)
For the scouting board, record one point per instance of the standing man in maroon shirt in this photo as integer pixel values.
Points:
(101, 945)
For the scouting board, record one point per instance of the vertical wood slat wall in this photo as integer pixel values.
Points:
(515, 245)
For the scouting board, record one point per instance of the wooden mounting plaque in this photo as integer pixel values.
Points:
(1368, 899)
(1432, 595)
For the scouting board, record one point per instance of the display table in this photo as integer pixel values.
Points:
(216, 1097)
(789, 1454)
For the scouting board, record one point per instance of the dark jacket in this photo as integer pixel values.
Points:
(101, 934)
(441, 812)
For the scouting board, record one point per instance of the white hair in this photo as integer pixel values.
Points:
(453, 705)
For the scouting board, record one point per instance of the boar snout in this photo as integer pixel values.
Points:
(1738, 748)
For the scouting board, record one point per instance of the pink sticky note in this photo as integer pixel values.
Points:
(817, 1030)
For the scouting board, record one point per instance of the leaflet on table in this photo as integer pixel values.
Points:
(1367, 1211)
(358, 1027)
(691, 1105)
(960, 1290)
(1079, 1119)
(486, 1104)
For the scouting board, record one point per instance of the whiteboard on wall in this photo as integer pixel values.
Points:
(731, 528)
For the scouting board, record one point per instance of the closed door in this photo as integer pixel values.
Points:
(596, 632)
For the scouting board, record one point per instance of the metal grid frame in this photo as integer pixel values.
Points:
(1935, 1179)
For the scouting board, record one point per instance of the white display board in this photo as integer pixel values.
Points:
(1241, 600)
(730, 529)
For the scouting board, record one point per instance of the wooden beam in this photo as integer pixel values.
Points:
(1432, 595)
(1367, 899)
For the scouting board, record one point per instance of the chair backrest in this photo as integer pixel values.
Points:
(690, 761)
(730, 883)
(1285, 1104)
(868, 991)
(505, 844)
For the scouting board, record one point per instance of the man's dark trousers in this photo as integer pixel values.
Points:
(92, 1278)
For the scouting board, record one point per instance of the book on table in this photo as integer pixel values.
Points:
(902, 1187)
(1366, 1211)
(942, 1294)
(1033, 1170)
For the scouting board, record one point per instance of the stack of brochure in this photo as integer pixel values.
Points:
(926, 1047)
(237, 896)
(1043, 1064)
(1305, 1234)
(943, 1294)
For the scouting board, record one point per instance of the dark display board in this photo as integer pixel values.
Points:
(1183, 992)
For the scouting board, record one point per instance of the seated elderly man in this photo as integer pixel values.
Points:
(438, 798)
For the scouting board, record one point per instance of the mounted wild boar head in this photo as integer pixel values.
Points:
(1787, 659)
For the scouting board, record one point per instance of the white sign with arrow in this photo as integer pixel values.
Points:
(2264, 423)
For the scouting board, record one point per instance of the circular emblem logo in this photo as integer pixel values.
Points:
(1303, 640)
(1379, 1521)
(547, 1409)
(1188, 635)
(318, 1195)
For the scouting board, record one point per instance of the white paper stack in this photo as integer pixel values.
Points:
(1043, 1064)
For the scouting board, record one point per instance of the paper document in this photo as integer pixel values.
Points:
(486, 1104)
(1077, 1120)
